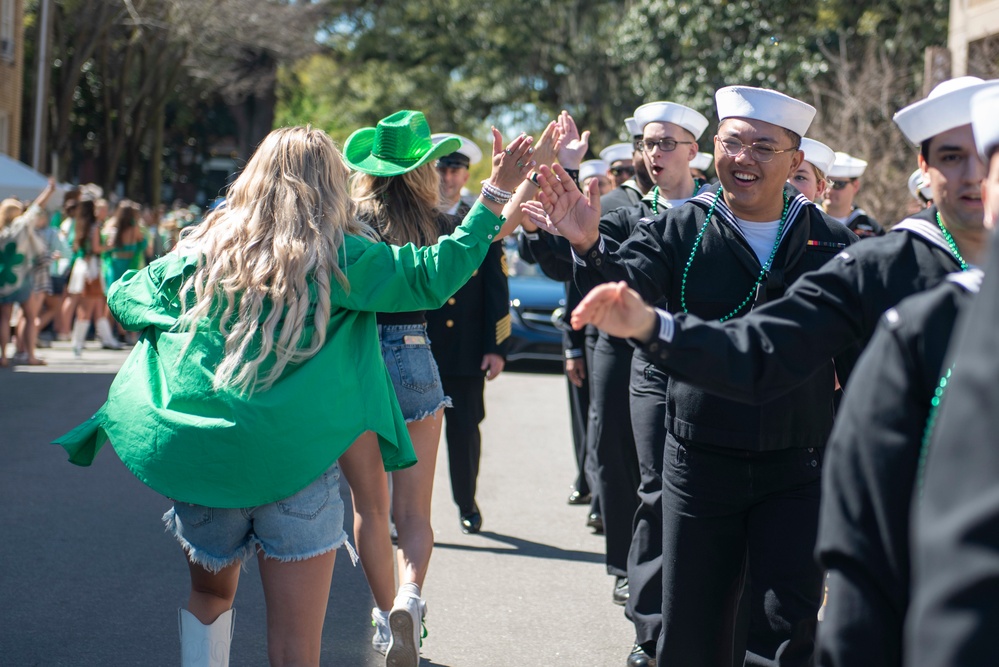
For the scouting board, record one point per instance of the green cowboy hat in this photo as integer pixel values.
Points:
(400, 143)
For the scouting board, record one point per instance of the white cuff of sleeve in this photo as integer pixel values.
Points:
(531, 236)
(601, 248)
(574, 353)
(667, 326)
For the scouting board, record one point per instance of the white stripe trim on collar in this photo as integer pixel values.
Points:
(797, 203)
(927, 231)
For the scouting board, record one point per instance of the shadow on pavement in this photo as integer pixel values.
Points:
(524, 547)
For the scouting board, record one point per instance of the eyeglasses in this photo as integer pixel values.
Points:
(627, 171)
(840, 185)
(760, 152)
(665, 145)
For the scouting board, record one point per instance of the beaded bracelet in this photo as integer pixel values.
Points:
(495, 194)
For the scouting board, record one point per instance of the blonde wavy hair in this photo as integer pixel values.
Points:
(404, 209)
(272, 248)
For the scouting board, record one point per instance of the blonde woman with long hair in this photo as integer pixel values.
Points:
(257, 367)
(397, 190)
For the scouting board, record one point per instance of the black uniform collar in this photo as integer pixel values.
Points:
(707, 195)
(924, 225)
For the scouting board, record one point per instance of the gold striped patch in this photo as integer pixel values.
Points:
(503, 265)
(503, 329)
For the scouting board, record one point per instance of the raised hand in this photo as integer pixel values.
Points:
(547, 146)
(573, 148)
(566, 210)
(617, 310)
(511, 164)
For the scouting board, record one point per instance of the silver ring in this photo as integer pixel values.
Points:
(508, 151)
(520, 165)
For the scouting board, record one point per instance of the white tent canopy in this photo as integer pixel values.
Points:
(18, 180)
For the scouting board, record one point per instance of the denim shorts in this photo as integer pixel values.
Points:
(406, 350)
(304, 525)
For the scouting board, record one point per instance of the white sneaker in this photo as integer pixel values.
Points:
(380, 621)
(407, 631)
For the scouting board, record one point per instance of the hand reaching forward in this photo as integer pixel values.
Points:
(562, 209)
(547, 147)
(574, 145)
(617, 310)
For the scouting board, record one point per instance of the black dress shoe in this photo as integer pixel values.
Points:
(639, 658)
(620, 595)
(596, 522)
(471, 522)
(577, 498)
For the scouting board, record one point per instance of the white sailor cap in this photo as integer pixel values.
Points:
(766, 105)
(818, 154)
(634, 129)
(468, 149)
(617, 152)
(592, 168)
(670, 112)
(847, 166)
(702, 161)
(947, 106)
(984, 111)
(919, 185)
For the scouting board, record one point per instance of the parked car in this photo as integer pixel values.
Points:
(537, 310)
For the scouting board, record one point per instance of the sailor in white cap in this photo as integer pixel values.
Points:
(810, 177)
(844, 184)
(631, 191)
(952, 617)
(920, 190)
(595, 169)
(619, 162)
(627, 444)
(470, 332)
(727, 250)
(775, 348)
(700, 164)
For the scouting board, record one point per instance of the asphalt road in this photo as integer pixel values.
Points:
(89, 577)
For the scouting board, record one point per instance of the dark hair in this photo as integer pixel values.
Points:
(124, 217)
(924, 149)
(85, 220)
(794, 137)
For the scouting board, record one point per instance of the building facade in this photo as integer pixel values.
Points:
(973, 38)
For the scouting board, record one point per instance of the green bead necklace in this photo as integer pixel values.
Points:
(952, 243)
(931, 418)
(763, 269)
(655, 200)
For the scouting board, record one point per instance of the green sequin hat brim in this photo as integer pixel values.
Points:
(358, 150)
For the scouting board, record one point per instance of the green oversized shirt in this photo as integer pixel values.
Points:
(229, 449)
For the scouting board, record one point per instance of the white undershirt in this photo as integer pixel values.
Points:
(454, 209)
(760, 235)
(841, 221)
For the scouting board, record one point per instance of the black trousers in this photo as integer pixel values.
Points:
(645, 557)
(726, 513)
(579, 406)
(610, 436)
(464, 442)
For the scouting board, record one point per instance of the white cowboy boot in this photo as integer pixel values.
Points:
(80, 330)
(204, 645)
(108, 340)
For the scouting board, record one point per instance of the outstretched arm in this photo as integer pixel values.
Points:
(563, 210)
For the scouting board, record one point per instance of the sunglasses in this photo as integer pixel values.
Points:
(840, 185)
(627, 171)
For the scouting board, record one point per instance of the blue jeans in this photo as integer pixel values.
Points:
(304, 525)
(411, 365)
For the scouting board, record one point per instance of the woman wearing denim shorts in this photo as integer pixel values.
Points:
(397, 189)
(258, 366)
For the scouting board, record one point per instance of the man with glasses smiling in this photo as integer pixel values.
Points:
(740, 483)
